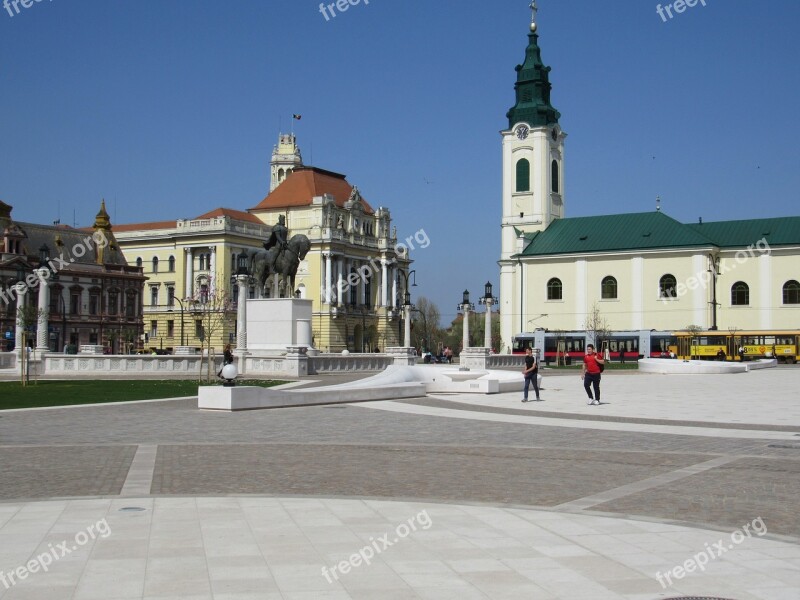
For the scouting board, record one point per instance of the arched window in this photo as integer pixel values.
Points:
(203, 293)
(281, 174)
(554, 289)
(608, 288)
(791, 292)
(555, 177)
(523, 175)
(740, 294)
(666, 286)
(139, 262)
(171, 264)
(155, 264)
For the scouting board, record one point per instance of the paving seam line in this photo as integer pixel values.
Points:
(140, 475)
(644, 484)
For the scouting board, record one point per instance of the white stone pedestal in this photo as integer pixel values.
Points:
(474, 358)
(402, 355)
(276, 323)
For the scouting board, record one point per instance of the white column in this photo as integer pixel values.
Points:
(187, 287)
(42, 332)
(340, 282)
(384, 283)
(765, 291)
(465, 339)
(328, 277)
(213, 269)
(18, 330)
(393, 271)
(487, 336)
(241, 314)
(407, 327)
(362, 286)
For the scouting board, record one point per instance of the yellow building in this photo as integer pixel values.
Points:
(355, 272)
(189, 262)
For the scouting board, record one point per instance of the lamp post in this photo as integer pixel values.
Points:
(465, 307)
(242, 279)
(407, 306)
(183, 342)
(488, 300)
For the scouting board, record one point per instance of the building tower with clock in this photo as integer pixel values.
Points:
(533, 169)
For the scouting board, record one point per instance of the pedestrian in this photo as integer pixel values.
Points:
(531, 373)
(227, 358)
(590, 373)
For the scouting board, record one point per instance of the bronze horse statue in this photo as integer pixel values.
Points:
(282, 261)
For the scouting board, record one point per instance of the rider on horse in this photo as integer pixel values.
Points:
(277, 242)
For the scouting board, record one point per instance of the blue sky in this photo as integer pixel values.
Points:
(170, 109)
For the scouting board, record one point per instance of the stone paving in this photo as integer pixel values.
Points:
(542, 500)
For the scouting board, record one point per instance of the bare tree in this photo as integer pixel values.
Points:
(425, 320)
(596, 326)
(214, 311)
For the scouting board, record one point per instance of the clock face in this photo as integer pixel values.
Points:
(522, 132)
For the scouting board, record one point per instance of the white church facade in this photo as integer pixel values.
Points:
(641, 271)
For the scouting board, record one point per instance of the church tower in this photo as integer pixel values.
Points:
(533, 178)
(533, 152)
(285, 159)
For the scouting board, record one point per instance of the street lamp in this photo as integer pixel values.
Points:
(407, 306)
(243, 279)
(183, 342)
(488, 300)
(466, 306)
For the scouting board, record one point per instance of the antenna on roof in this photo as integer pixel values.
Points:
(658, 203)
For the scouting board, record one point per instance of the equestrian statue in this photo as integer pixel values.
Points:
(281, 257)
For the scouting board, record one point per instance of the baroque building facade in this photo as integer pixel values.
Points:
(76, 282)
(355, 272)
(641, 270)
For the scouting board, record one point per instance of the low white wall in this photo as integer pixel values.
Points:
(66, 364)
(665, 366)
(505, 361)
(8, 360)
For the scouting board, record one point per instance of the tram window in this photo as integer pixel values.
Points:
(550, 344)
(769, 340)
(716, 340)
(784, 340)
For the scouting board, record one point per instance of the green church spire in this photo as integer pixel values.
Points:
(533, 86)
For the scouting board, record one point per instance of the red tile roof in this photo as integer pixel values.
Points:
(239, 215)
(144, 226)
(305, 183)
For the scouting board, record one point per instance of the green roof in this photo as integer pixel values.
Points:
(655, 230)
(636, 231)
(533, 90)
(740, 234)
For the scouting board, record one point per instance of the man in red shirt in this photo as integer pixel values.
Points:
(591, 374)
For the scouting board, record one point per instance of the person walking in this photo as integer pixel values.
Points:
(531, 373)
(590, 374)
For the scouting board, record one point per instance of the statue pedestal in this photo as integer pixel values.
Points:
(402, 355)
(274, 324)
(474, 358)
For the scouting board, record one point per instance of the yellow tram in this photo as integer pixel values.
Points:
(738, 345)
